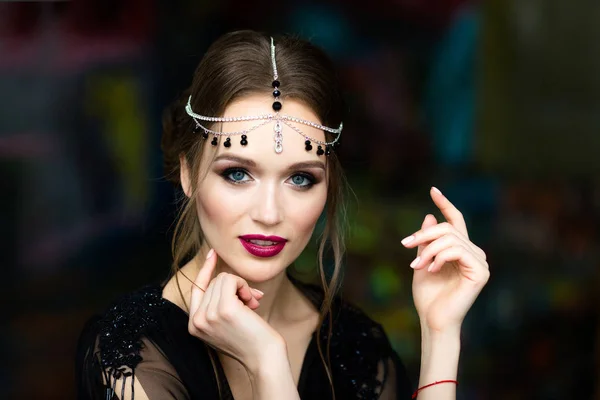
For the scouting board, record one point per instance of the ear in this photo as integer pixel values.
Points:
(184, 176)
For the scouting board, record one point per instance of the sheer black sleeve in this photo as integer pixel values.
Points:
(392, 377)
(118, 358)
(395, 383)
(153, 377)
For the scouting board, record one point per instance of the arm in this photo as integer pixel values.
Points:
(153, 377)
(439, 360)
(450, 272)
(127, 393)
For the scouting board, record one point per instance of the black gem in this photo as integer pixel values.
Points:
(244, 137)
(308, 147)
(320, 151)
(276, 92)
(243, 142)
(227, 142)
(276, 84)
(205, 135)
(197, 129)
(307, 142)
(276, 106)
(214, 141)
(327, 150)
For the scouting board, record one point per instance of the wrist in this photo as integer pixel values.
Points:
(430, 336)
(448, 330)
(271, 377)
(271, 357)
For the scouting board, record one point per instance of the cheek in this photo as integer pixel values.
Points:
(210, 208)
(215, 211)
(304, 211)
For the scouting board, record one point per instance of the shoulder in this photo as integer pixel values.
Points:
(115, 336)
(142, 339)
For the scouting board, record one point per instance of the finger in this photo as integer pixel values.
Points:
(203, 307)
(424, 237)
(448, 255)
(252, 301)
(199, 321)
(202, 280)
(470, 266)
(429, 234)
(257, 293)
(433, 248)
(212, 305)
(451, 213)
(428, 221)
(239, 287)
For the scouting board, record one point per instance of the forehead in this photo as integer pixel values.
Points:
(260, 145)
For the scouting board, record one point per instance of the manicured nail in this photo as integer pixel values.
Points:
(415, 262)
(258, 291)
(407, 240)
(210, 253)
(430, 267)
(436, 190)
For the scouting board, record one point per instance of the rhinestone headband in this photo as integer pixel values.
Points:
(323, 147)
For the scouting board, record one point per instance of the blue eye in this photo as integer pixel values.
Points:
(303, 180)
(236, 175)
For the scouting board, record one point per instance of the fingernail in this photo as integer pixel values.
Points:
(210, 253)
(258, 291)
(407, 240)
(436, 190)
(415, 262)
(430, 267)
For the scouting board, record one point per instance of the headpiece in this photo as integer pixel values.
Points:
(280, 119)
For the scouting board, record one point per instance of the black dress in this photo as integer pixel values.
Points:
(146, 337)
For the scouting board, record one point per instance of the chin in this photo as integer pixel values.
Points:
(257, 270)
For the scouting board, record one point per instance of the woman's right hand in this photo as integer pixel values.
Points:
(223, 317)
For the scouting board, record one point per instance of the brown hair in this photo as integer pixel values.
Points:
(236, 65)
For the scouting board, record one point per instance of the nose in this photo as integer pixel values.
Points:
(267, 205)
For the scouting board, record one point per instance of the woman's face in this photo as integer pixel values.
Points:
(257, 208)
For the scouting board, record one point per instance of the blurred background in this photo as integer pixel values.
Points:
(497, 103)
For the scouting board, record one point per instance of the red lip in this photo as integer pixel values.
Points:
(263, 237)
(263, 251)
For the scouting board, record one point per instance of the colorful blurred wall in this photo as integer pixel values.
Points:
(497, 103)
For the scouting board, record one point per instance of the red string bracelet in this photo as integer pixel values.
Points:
(414, 396)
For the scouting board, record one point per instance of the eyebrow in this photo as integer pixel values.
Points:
(251, 164)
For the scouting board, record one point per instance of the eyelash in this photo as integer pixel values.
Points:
(227, 172)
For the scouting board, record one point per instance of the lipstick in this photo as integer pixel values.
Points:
(261, 249)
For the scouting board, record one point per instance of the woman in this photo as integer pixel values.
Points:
(252, 144)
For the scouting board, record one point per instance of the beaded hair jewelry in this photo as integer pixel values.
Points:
(267, 118)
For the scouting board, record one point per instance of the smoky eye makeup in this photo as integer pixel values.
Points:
(235, 175)
(300, 179)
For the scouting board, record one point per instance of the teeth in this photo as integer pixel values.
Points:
(263, 242)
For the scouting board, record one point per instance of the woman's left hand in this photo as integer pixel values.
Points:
(450, 270)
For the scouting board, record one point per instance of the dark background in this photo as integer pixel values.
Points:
(496, 103)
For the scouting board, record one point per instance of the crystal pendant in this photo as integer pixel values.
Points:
(278, 137)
